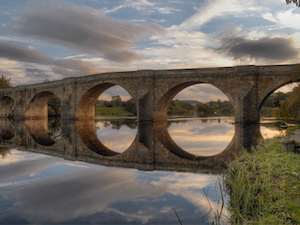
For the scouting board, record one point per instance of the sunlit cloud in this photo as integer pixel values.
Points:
(83, 28)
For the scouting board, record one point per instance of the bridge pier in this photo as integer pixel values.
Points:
(68, 99)
(246, 95)
(145, 95)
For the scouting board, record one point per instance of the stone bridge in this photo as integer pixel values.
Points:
(152, 90)
(246, 87)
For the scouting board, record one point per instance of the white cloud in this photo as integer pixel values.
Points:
(289, 19)
(143, 5)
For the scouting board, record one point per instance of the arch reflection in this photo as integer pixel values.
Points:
(152, 148)
(7, 106)
(6, 129)
(38, 129)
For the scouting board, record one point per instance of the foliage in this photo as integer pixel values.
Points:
(101, 107)
(272, 104)
(297, 2)
(291, 106)
(204, 109)
(4, 152)
(264, 185)
(4, 82)
(54, 106)
(222, 108)
(116, 100)
(180, 108)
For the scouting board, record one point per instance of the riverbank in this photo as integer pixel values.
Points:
(264, 186)
(112, 111)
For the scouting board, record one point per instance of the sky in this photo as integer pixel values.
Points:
(49, 39)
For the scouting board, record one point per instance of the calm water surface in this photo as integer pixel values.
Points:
(41, 189)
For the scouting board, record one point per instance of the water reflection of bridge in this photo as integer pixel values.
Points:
(152, 148)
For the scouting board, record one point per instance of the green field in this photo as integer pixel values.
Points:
(112, 111)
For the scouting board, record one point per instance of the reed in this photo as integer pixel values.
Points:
(264, 185)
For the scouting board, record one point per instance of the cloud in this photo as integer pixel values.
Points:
(143, 5)
(267, 49)
(36, 74)
(78, 194)
(202, 93)
(22, 54)
(65, 67)
(83, 28)
(219, 8)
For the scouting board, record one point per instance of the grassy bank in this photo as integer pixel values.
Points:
(264, 185)
(112, 111)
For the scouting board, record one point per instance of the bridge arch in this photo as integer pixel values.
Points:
(161, 108)
(7, 107)
(269, 90)
(37, 107)
(86, 105)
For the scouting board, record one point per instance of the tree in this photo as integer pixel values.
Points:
(116, 101)
(290, 107)
(4, 82)
(54, 106)
(297, 2)
(204, 109)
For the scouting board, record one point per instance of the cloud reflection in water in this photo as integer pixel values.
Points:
(202, 138)
(116, 138)
(82, 193)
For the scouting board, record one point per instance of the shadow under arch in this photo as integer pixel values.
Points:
(7, 131)
(86, 106)
(7, 106)
(39, 132)
(38, 107)
(86, 131)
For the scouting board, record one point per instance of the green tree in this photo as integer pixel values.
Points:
(116, 101)
(297, 2)
(205, 109)
(4, 82)
(290, 107)
(54, 106)
(180, 108)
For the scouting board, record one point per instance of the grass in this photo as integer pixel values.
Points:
(264, 185)
(112, 111)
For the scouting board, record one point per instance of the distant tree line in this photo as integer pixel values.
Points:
(220, 108)
(180, 108)
(116, 102)
(283, 105)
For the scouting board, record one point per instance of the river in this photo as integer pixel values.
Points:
(38, 188)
